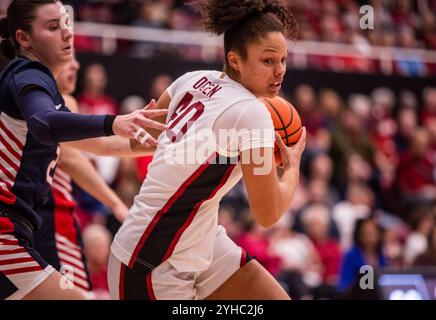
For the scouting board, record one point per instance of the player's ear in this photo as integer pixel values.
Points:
(234, 60)
(23, 39)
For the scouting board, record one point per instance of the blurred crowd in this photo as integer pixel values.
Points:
(367, 194)
(403, 23)
(406, 24)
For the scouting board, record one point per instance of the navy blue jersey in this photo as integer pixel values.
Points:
(26, 165)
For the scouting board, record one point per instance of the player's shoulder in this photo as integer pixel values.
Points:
(23, 66)
(27, 72)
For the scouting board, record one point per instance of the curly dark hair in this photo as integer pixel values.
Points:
(245, 21)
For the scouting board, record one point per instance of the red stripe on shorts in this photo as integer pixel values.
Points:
(22, 270)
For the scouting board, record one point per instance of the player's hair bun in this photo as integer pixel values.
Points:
(220, 16)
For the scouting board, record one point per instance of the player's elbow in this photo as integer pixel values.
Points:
(40, 131)
(266, 223)
(266, 217)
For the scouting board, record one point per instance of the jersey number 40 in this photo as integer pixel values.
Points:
(183, 117)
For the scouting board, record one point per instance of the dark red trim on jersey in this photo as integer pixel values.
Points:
(121, 285)
(166, 228)
(243, 258)
(150, 287)
(194, 212)
(167, 207)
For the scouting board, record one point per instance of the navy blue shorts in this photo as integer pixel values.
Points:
(59, 241)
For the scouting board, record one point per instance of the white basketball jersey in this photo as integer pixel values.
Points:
(175, 216)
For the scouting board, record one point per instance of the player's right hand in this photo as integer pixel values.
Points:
(132, 126)
(291, 156)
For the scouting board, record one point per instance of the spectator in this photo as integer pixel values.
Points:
(415, 178)
(254, 240)
(349, 137)
(301, 268)
(357, 205)
(366, 250)
(428, 258)
(407, 122)
(422, 223)
(393, 247)
(321, 167)
(320, 192)
(409, 63)
(331, 106)
(97, 240)
(93, 99)
(226, 218)
(316, 221)
(311, 117)
(427, 116)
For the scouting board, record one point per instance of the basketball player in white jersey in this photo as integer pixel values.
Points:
(170, 246)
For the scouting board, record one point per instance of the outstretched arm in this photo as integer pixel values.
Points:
(84, 174)
(107, 146)
(111, 146)
(49, 126)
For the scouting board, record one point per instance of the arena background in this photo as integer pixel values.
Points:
(368, 100)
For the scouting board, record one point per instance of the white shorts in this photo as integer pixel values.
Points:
(166, 283)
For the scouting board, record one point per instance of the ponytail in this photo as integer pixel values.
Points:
(7, 47)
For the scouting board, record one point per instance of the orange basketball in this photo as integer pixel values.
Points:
(286, 122)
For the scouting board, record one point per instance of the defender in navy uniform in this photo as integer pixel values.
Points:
(33, 121)
(59, 240)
